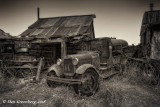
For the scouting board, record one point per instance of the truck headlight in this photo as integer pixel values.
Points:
(75, 61)
(59, 61)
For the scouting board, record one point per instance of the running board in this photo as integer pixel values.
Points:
(64, 80)
(108, 73)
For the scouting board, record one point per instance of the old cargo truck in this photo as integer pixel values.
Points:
(83, 63)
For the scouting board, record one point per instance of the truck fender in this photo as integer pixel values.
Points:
(83, 68)
(57, 69)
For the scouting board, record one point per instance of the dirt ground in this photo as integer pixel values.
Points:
(114, 92)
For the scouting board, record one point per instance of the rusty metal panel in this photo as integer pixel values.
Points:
(62, 31)
(83, 30)
(37, 32)
(68, 31)
(70, 21)
(74, 31)
(71, 31)
(50, 22)
(77, 21)
(51, 31)
(60, 22)
(27, 32)
(45, 31)
(38, 23)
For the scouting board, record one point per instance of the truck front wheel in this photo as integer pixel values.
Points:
(90, 83)
(51, 83)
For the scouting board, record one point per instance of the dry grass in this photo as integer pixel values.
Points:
(120, 91)
(61, 96)
(141, 74)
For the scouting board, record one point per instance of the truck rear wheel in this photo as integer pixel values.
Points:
(90, 83)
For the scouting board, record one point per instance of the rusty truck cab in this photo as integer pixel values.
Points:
(74, 67)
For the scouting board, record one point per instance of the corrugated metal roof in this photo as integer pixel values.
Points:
(151, 17)
(59, 26)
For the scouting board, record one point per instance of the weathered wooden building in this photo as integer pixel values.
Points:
(150, 34)
(6, 45)
(44, 30)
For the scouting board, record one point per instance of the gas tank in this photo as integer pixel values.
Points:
(119, 42)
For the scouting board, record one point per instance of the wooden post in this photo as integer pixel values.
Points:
(39, 70)
(110, 55)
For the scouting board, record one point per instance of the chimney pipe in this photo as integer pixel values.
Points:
(151, 6)
(38, 13)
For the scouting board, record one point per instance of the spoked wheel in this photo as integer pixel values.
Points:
(51, 83)
(19, 73)
(90, 83)
(25, 72)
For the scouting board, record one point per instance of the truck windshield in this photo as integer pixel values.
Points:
(72, 48)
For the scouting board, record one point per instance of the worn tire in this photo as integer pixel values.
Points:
(90, 83)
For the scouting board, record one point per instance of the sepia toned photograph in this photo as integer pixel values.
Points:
(79, 53)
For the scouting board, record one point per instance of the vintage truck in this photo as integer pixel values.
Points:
(83, 63)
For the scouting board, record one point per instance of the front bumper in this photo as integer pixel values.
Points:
(65, 80)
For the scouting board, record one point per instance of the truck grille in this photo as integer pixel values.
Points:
(68, 66)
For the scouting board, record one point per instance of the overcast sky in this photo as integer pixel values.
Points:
(114, 18)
